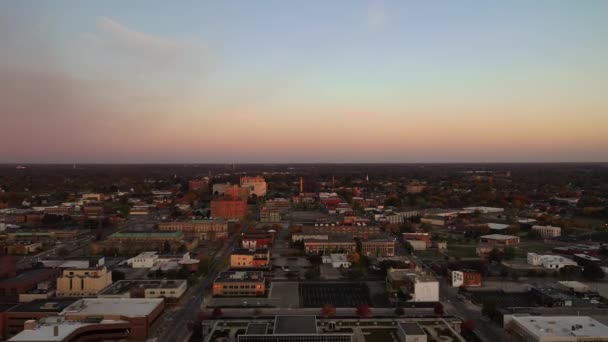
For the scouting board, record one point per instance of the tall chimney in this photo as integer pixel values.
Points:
(301, 185)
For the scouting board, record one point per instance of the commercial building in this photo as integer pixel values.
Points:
(150, 288)
(584, 259)
(83, 282)
(11, 288)
(336, 260)
(556, 328)
(147, 240)
(555, 262)
(329, 246)
(303, 237)
(485, 210)
(16, 316)
(250, 258)
(280, 204)
(550, 297)
(24, 248)
(254, 239)
(548, 231)
(499, 239)
(268, 215)
(198, 184)
(239, 283)
(229, 208)
(381, 246)
(203, 229)
(434, 220)
(464, 277)
(410, 332)
(235, 191)
(420, 286)
(425, 237)
(96, 319)
(292, 329)
(256, 184)
(361, 231)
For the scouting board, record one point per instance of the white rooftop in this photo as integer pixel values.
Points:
(46, 331)
(562, 326)
(498, 237)
(130, 307)
(498, 226)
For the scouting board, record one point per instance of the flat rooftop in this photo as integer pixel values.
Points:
(256, 329)
(499, 237)
(27, 276)
(130, 307)
(295, 325)
(239, 276)
(244, 251)
(562, 326)
(44, 305)
(45, 331)
(124, 286)
(148, 234)
(411, 328)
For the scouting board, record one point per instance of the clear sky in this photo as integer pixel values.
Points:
(303, 81)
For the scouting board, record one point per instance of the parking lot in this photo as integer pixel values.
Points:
(336, 294)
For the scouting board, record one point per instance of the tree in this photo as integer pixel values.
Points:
(363, 310)
(166, 247)
(508, 253)
(328, 310)
(438, 309)
(408, 247)
(399, 311)
(467, 326)
(593, 272)
(217, 312)
(489, 309)
(312, 273)
(354, 258)
(495, 255)
(534, 235)
(117, 275)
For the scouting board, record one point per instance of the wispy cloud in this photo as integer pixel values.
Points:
(376, 16)
(123, 37)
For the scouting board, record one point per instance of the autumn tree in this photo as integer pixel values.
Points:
(438, 309)
(363, 310)
(328, 310)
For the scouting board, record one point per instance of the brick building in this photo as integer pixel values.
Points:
(329, 246)
(11, 288)
(239, 283)
(229, 208)
(249, 258)
(384, 246)
(203, 229)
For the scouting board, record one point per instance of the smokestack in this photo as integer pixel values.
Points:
(56, 331)
(301, 184)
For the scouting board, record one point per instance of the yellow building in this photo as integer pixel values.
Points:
(83, 282)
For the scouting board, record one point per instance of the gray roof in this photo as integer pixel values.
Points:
(256, 328)
(295, 325)
(411, 328)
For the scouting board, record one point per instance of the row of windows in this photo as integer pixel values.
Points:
(238, 287)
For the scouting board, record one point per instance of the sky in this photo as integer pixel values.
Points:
(303, 81)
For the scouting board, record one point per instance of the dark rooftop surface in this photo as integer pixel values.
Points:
(295, 325)
(256, 328)
(44, 305)
(26, 276)
(411, 328)
(244, 251)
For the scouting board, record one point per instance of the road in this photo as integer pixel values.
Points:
(454, 305)
(174, 322)
(70, 246)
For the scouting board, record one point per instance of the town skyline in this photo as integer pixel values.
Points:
(277, 82)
